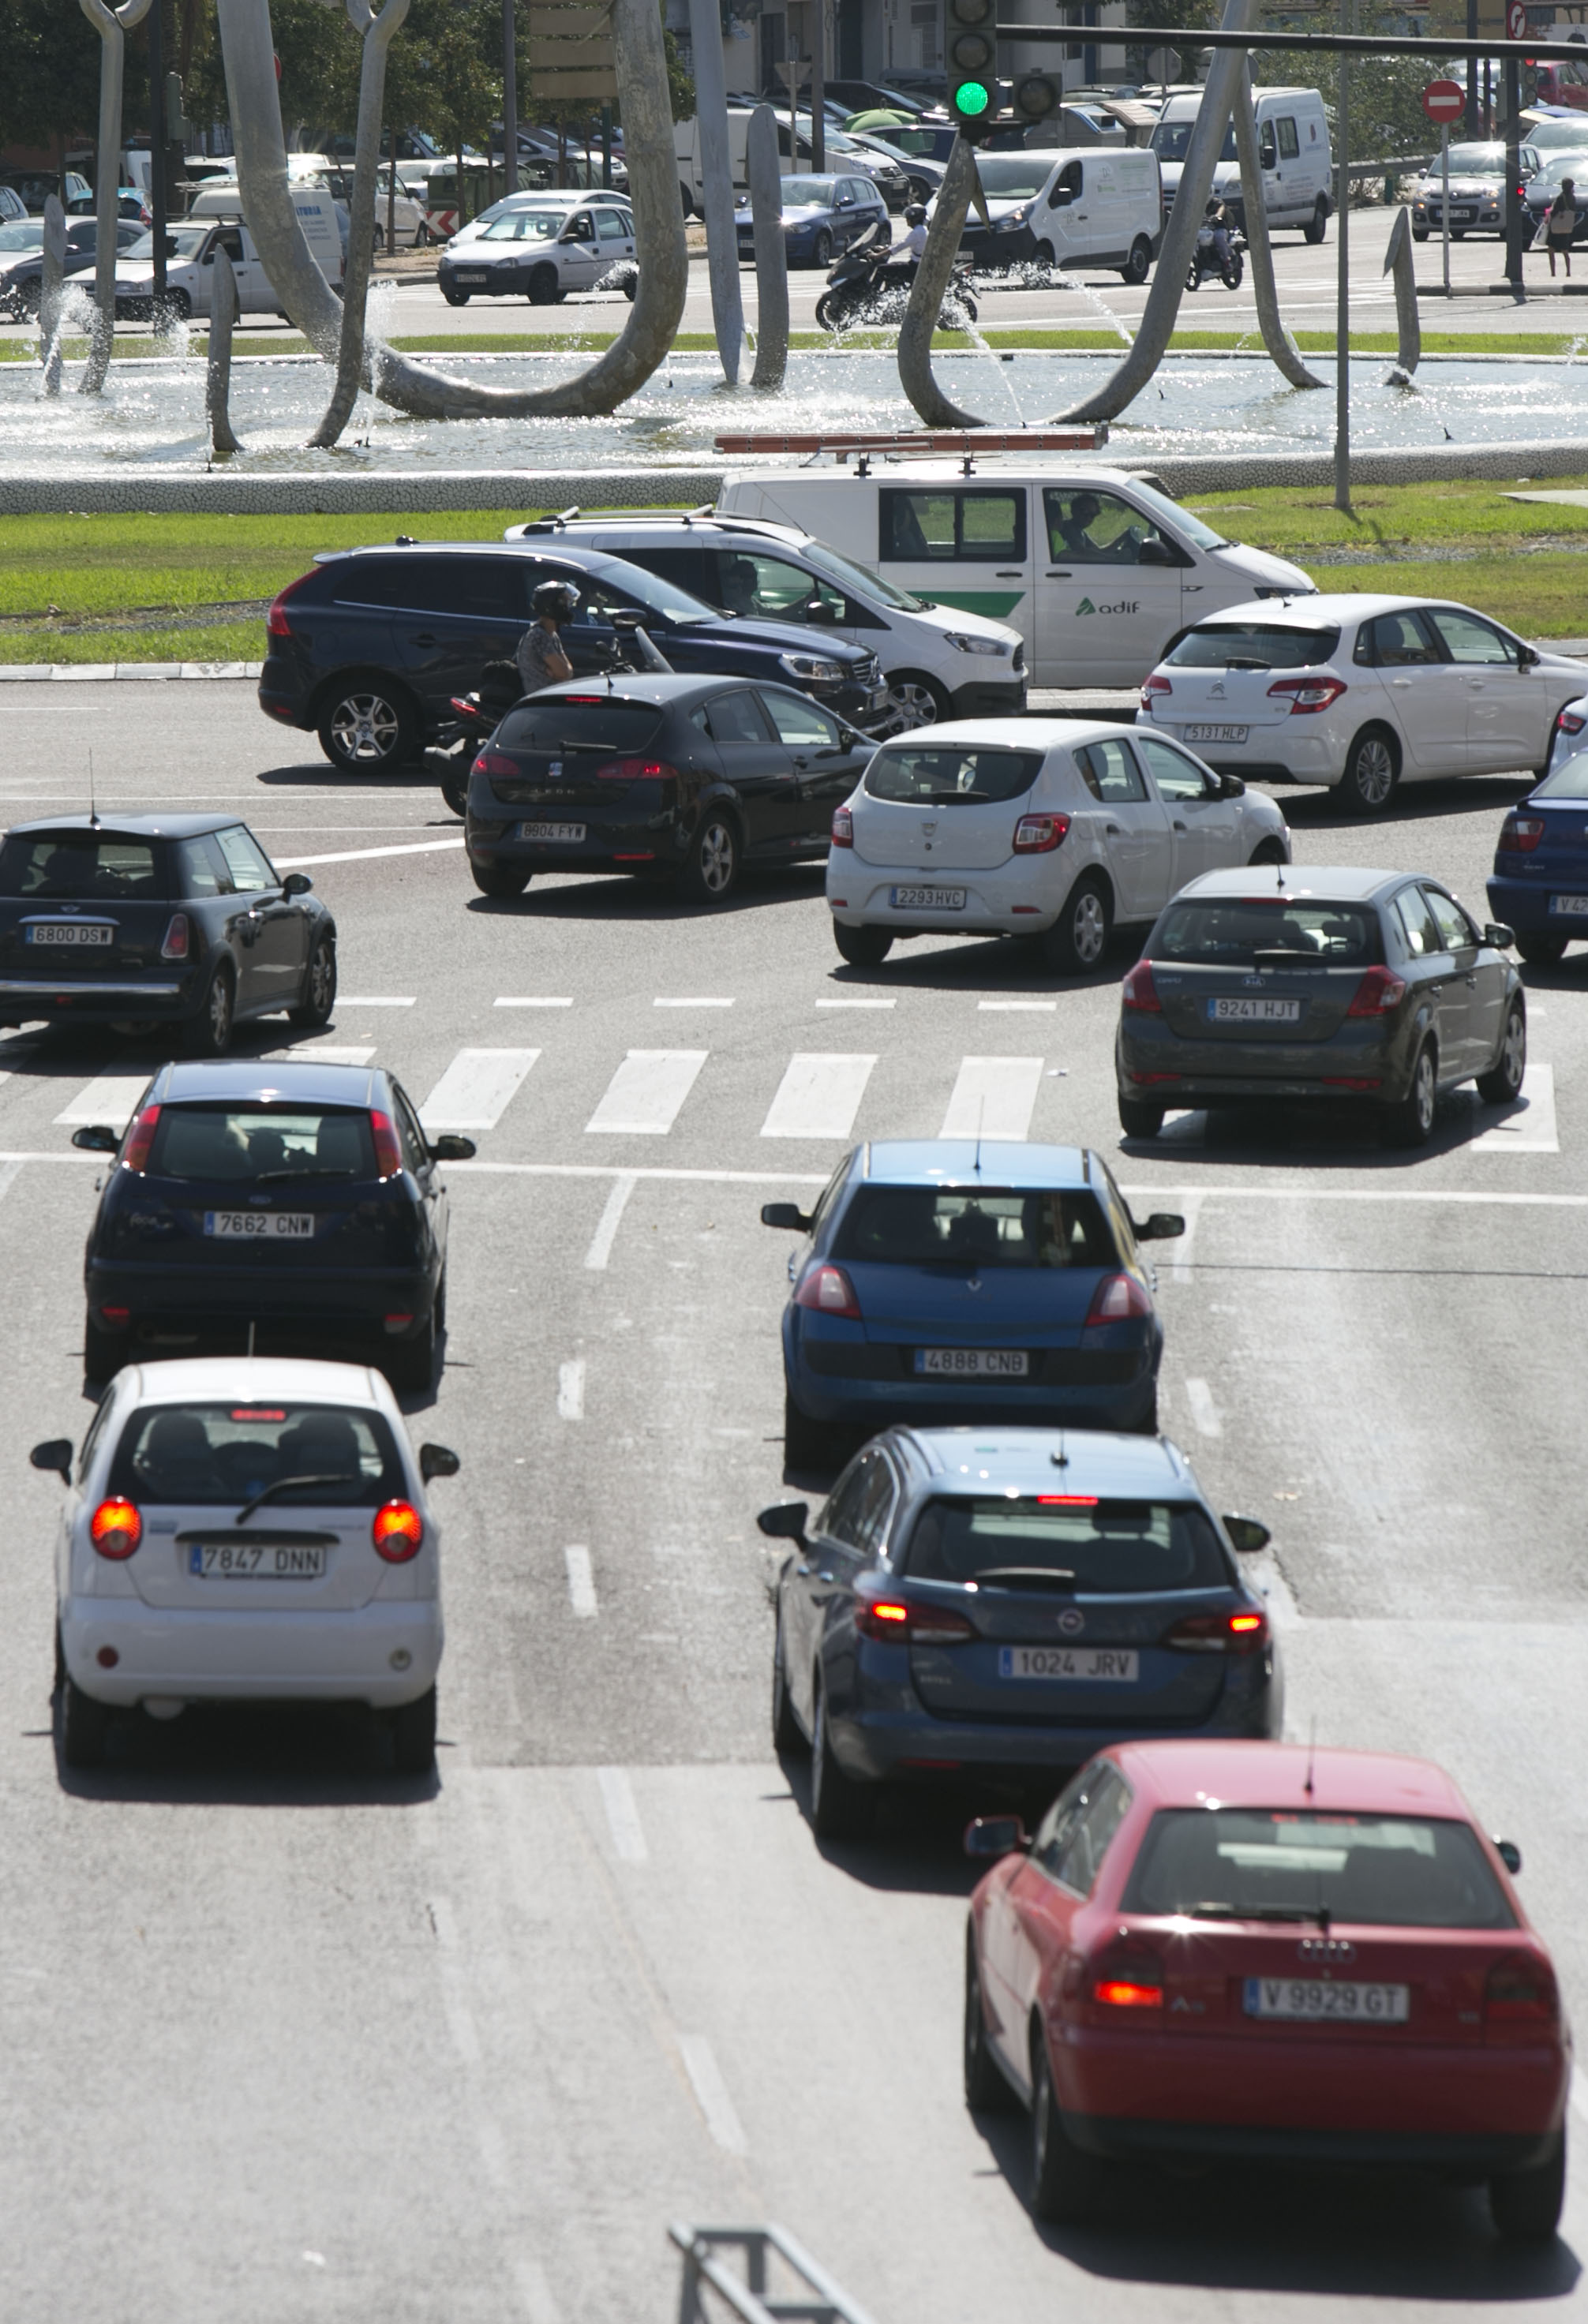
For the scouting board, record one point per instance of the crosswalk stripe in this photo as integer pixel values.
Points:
(1529, 1127)
(322, 1053)
(818, 1096)
(476, 1089)
(993, 1097)
(109, 1097)
(642, 1098)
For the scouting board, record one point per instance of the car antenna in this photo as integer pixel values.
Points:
(981, 1118)
(251, 1330)
(1312, 1746)
(1061, 1459)
(93, 809)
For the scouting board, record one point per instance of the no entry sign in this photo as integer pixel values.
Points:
(1444, 100)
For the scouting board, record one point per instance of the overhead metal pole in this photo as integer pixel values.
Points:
(1513, 179)
(1343, 280)
(157, 148)
(509, 99)
(1472, 114)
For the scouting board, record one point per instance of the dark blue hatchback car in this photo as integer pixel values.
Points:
(1539, 886)
(951, 1281)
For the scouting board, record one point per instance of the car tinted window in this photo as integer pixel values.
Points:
(1396, 641)
(767, 588)
(1175, 776)
(694, 570)
(958, 527)
(1457, 932)
(799, 721)
(927, 1226)
(552, 722)
(1378, 1870)
(1252, 645)
(1098, 1547)
(415, 1154)
(1569, 781)
(233, 1145)
(1216, 931)
(491, 588)
(197, 871)
(737, 718)
(1110, 772)
(860, 1503)
(946, 775)
(218, 1455)
(245, 860)
(76, 866)
(1072, 1851)
(1289, 146)
(1469, 640)
(803, 193)
(407, 584)
(1418, 924)
(610, 228)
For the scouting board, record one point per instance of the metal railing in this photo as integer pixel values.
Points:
(763, 2251)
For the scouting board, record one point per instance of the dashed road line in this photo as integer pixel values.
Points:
(623, 1814)
(581, 1581)
(611, 1219)
(376, 1000)
(1022, 1008)
(703, 1001)
(367, 854)
(532, 1000)
(1205, 1412)
(570, 1389)
(711, 2092)
(847, 1001)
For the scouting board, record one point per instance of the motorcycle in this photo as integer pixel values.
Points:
(871, 283)
(1205, 260)
(477, 716)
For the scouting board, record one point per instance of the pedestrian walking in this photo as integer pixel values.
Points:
(1561, 225)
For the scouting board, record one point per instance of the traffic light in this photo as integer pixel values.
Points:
(1036, 95)
(970, 59)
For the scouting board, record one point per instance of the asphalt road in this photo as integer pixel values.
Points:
(290, 2038)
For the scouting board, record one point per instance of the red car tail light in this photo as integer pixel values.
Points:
(827, 1291)
(1379, 991)
(177, 937)
(1571, 721)
(1245, 1632)
(1520, 834)
(140, 1137)
(388, 1153)
(491, 763)
(1521, 1990)
(115, 1529)
(896, 1621)
(397, 1532)
(1307, 695)
(1039, 835)
(1139, 992)
(1118, 1299)
(1152, 686)
(1127, 1977)
(843, 827)
(636, 771)
(275, 622)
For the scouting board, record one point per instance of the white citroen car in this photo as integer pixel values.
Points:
(247, 1529)
(1054, 828)
(1360, 694)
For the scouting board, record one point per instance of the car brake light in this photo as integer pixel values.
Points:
(1128, 1978)
(636, 771)
(1139, 990)
(1242, 1633)
(1380, 990)
(1307, 694)
(828, 1291)
(397, 1532)
(1066, 1500)
(495, 762)
(140, 1137)
(1117, 1299)
(275, 622)
(176, 940)
(1152, 686)
(1571, 721)
(1039, 835)
(1520, 834)
(903, 1621)
(843, 827)
(115, 1529)
(1519, 1990)
(388, 1153)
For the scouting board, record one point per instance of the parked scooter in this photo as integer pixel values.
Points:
(871, 283)
(477, 716)
(1205, 260)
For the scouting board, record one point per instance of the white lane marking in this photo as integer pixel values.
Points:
(1580, 2091)
(532, 1000)
(1205, 1412)
(611, 1219)
(847, 1003)
(1012, 1008)
(376, 1000)
(460, 2019)
(660, 1003)
(1368, 1195)
(993, 1098)
(108, 1098)
(535, 2292)
(818, 1096)
(476, 1089)
(1191, 1212)
(1528, 1126)
(10, 1171)
(623, 1815)
(642, 1098)
(365, 855)
(712, 2093)
(322, 1053)
(570, 1389)
(581, 1581)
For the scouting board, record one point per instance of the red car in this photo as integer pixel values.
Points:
(1258, 1949)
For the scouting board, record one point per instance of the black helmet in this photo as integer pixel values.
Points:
(555, 601)
(916, 214)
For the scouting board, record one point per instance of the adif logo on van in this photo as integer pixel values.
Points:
(1125, 606)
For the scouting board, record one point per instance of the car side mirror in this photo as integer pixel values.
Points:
(987, 1838)
(297, 883)
(55, 1453)
(785, 1215)
(97, 1138)
(437, 1461)
(452, 1148)
(626, 617)
(1163, 1226)
(1230, 787)
(1497, 934)
(1249, 1535)
(1508, 1853)
(820, 609)
(1527, 659)
(785, 1520)
(1155, 553)
(1060, 199)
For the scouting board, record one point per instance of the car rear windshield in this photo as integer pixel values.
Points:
(1569, 781)
(944, 776)
(1068, 1542)
(261, 1145)
(926, 1226)
(1252, 645)
(1220, 931)
(79, 867)
(1284, 1864)
(223, 1454)
(597, 724)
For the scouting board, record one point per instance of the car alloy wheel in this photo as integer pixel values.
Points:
(1411, 1122)
(1076, 942)
(985, 2089)
(711, 870)
(911, 702)
(821, 252)
(208, 1034)
(319, 986)
(1371, 772)
(366, 730)
(1501, 1084)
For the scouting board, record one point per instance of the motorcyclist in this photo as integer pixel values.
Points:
(542, 660)
(914, 245)
(1215, 220)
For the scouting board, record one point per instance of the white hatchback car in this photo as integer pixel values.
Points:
(1360, 692)
(247, 1528)
(1054, 828)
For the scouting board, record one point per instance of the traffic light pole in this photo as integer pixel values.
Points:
(1513, 179)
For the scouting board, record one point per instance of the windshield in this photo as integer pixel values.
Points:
(1103, 1548)
(1573, 165)
(78, 866)
(1014, 177)
(1477, 160)
(525, 226)
(181, 243)
(853, 577)
(1252, 645)
(619, 583)
(22, 233)
(1569, 781)
(1284, 1864)
(949, 776)
(1229, 931)
(807, 193)
(220, 1455)
(944, 1226)
(1171, 140)
(1191, 528)
(255, 1142)
(556, 724)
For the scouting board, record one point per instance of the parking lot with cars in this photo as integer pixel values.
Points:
(596, 1971)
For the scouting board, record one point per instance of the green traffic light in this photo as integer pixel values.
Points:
(973, 97)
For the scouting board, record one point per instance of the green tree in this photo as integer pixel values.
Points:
(49, 89)
(1151, 15)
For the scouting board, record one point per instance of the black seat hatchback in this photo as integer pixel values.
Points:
(281, 1208)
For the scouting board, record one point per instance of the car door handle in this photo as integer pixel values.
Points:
(1113, 830)
(1472, 983)
(1191, 588)
(423, 641)
(1179, 827)
(1016, 573)
(1055, 573)
(802, 1571)
(1403, 683)
(1435, 990)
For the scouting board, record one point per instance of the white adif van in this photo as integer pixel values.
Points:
(190, 264)
(1096, 569)
(1292, 148)
(1049, 209)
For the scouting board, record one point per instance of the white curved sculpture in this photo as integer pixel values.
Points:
(378, 33)
(52, 283)
(113, 25)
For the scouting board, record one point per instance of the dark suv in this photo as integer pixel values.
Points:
(370, 649)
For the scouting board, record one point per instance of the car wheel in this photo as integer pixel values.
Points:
(413, 1735)
(104, 1352)
(1146, 1421)
(709, 872)
(1317, 225)
(1411, 1122)
(454, 297)
(1501, 1084)
(499, 879)
(1065, 2181)
(807, 1443)
(1139, 1119)
(411, 1364)
(914, 699)
(1541, 952)
(455, 785)
(544, 287)
(985, 2089)
(1079, 939)
(821, 251)
(421, 235)
(1270, 850)
(1372, 770)
(1526, 2205)
(209, 1033)
(1043, 254)
(1137, 266)
(319, 986)
(862, 948)
(84, 1726)
(788, 1735)
(840, 1808)
(367, 728)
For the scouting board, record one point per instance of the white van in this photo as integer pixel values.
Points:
(1058, 208)
(1292, 147)
(190, 265)
(1096, 569)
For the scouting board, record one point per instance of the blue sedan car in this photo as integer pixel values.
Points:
(1539, 886)
(1001, 1604)
(950, 1281)
(821, 217)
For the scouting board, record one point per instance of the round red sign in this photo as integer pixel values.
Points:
(1444, 100)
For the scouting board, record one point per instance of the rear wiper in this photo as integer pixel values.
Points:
(1028, 1577)
(953, 798)
(287, 1485)
(1235, 662)
(274, 1177)
(1280, 955)
(1217, 1912)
